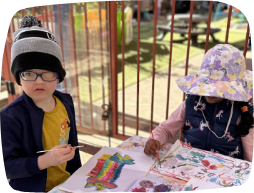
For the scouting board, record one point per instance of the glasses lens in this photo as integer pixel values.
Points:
(49, 76)
(28, 75)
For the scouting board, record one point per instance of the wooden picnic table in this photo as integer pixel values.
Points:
(181, 26)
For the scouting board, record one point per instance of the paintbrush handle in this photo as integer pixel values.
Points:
(156, 147)
(57, 149)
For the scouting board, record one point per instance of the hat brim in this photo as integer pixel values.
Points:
(233, 90)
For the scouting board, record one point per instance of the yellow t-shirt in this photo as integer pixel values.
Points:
(56, 127)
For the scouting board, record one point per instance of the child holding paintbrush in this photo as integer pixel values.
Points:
(42, 118)
(217, 114)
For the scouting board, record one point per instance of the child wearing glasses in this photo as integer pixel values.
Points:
(42, 118)
(217, 114)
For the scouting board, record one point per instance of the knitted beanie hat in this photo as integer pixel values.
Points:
(34, 47)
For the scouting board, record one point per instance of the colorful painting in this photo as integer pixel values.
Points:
(185, 162)
(107, 171)
(145, 184)
(110, 169)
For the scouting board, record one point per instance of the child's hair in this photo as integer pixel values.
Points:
(246, 120)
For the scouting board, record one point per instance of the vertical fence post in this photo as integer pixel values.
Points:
(123, 93)
(61, 41)
(102, 63)
(189, 37)
(6, 72)
(113, 65)
(154, 56)
(228, 24)
(138, 66)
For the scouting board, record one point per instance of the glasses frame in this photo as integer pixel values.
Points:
(20, 74)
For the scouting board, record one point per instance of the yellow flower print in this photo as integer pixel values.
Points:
(239, 61)
(187, 84)
(250, 85)
(212, 65)
(232, 76)
(201, 85)
(201, 91)
(241, 75)
(223, 65)
(231, 91)
(219, 92)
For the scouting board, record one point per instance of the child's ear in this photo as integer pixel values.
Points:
(57, 81)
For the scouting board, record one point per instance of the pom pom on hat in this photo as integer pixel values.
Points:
(29, 21)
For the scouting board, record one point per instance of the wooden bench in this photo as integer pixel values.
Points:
(183, 29)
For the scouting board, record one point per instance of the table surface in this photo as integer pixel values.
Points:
(196, 18)
(137, 144)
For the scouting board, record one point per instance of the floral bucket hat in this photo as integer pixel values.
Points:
(222, 74)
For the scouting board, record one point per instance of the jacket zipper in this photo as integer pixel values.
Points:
(211, 127)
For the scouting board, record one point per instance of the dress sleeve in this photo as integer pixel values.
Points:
(247, 141)
(169, 128)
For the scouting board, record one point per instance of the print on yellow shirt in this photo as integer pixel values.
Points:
(64, 125)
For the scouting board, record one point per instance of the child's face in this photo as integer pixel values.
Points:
(39, 90)
(213, 99)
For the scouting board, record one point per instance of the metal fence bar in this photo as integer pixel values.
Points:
(102, 64)
(208, 25)
(33, 11)
(109, 64)
(9, 44)
(108, 38)
(88, 65)
(228, 23)
(189, 37)
(246, 40)
(17, 94)
(75, 61)
(61, 40)
(170, 54)
(46, 13)
(23, 12)
(138, 66)
(113, 67)
(17, 17)
(6, 71)
(42, 15)
(51, 19)
(154, 55)
(123, 93)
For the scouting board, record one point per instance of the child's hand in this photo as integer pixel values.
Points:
(150, 149)
(57, 157)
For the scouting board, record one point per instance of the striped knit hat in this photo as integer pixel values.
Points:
(34, 47)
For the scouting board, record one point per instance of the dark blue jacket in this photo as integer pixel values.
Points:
(21, 132)
(197, 133)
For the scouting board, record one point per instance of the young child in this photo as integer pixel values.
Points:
(42, 118)
(216, 115)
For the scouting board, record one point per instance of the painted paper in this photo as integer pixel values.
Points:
(137, 143)
(146, 184)
(111, 170)
(185, 162)
(175, 184)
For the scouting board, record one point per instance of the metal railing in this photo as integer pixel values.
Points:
(91, 53)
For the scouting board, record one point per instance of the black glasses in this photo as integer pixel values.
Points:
(32, 76)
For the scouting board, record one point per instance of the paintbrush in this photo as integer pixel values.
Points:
(57, 149)
(156, 152)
